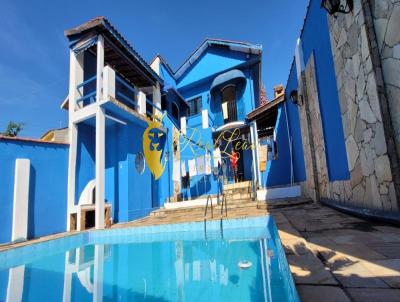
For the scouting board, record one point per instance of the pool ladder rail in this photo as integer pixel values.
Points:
(209, 201)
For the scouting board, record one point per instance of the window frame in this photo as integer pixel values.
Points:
(197, 99)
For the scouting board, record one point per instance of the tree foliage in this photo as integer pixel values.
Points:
(13, 129)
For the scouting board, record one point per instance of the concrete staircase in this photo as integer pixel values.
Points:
(240, 203)
(238, 197)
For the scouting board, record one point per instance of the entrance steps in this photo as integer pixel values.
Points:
(282, 203)
(199, 210)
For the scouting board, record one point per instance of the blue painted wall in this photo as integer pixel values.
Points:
(315, 39)
(299, 169)
(278, 170)
(130, 193)
(48, 186)
(85, 158)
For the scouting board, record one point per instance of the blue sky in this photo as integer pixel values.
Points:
(34, 53)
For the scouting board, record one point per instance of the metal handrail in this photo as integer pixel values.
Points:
(222, 205)
(205, 213)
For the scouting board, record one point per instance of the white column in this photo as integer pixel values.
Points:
(157, 99)
(100, 166)
(108, 82)
(100, 138)
(21, 200)
(75, 78)
(100, 67)
(15, 286)
(183, 124)
(98, 273)
(254, 141)
(204, 118)
(73, 142)
(141, 102)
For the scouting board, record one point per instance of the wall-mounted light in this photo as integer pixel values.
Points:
(296, 98)
(336, 6)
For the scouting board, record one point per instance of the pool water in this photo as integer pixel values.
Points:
(182, 262)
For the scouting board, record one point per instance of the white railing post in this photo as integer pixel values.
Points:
(157, 99)
(108, 82)
(75, 78)
(141, 101)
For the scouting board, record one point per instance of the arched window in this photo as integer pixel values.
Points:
(228, 102)
(175, 111)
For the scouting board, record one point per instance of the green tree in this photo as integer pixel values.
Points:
(13, 129)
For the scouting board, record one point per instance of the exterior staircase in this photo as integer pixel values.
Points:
(240, 204)
(238, 196)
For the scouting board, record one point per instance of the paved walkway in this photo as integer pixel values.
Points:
(337, 257)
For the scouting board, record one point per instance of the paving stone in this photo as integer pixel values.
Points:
(374, 295)
(356, 275)
(310, 293)
(307, 269)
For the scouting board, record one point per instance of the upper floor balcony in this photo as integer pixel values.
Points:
(104, 68)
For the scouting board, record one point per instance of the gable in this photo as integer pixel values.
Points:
(213, 61)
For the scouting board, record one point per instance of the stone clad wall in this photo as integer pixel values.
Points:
(362, 104)
(386, 20)
(313, 108)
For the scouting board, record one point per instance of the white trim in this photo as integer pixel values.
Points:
(278, 193)
(100, 167)
(115, 119)
(21, 200)
(299, 58)
(201, 202)
(204, 119)
(231, 125)
(108, 82)
(15, 288)
(141, 97)
(100, 67)
(83, 114)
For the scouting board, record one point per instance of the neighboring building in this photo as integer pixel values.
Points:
(56, 135)
(346, 76)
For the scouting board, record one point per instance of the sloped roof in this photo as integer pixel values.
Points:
(265, 108)
(100, 25)
(241, 46)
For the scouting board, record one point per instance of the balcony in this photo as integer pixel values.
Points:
(117, 90)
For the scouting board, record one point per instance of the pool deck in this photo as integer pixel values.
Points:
(332, 256)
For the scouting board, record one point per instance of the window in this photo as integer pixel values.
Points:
(175, 111)
(194, 106)
(164, 102)
(228, 102)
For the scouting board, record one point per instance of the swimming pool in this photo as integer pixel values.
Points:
(227, 260)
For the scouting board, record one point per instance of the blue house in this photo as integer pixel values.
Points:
(122, 110)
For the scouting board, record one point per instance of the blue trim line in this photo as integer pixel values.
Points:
(91, 79)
